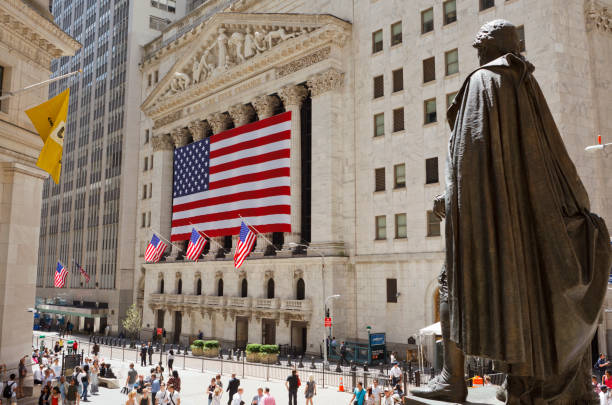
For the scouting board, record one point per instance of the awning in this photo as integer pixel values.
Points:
(74, 311)
(435, 329)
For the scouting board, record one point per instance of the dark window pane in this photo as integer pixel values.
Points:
(431, 170)
(452, 62)
(399, 176)
(450, 11)
(391, 290)
(379, 179)
(433, 224)
(429, 70)
(450, 98)
(381, 227)
(379, 86)
(398, 120)
(427, 21)
(398, 80)
(430, 111)
(484, 4)
(379, 124)
(396, 33)
(377, 41)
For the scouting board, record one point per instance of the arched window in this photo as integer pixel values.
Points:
(199, 287)
(179, 286)
(161, 286)
(220, 288)
(244, 288)
(271, 288)
(300, 290)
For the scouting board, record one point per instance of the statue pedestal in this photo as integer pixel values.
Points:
(476, 396)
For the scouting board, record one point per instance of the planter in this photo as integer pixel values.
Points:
(253, 357)
(214, 352)
(268, 358)
(197, 351)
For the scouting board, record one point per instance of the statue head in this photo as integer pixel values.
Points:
(496, 38)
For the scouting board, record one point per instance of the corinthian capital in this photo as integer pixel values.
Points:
(265, 106)
(241, 114)
(219, 122)
(331, 79)
(180, 136)
(162, 142)
(293, 95)
(199, 129)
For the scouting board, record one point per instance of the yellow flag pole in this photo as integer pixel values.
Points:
(33, 86)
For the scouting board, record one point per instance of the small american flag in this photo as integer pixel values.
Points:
(83, 272)
(60, 276)
(154, 250)
(196, 245)
(245, 244)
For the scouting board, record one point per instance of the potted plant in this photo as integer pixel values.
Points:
(269, 354)
(211, 348)
(197, 348)
(252, 351)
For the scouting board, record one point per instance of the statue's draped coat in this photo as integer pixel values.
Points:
(528, 263)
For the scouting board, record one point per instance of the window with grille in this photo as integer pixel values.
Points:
(398, 119)
(379, 86)
(431, 170)
(452, 62)
(401, 231)
(381, 227)
(146, 164)
(377, 41)
(450, 11)
(433, 224)
(398, 80)
(151, 162)
(156, 76)
(143, 220)
(450, 97)
(399, 176)
(485, 4)
(430, 111)
(379, 179)
(150, 189)
(396, 33)
(429, 70)
(392, 290)
(379, 124)
(427, 24)
(520, 31)
(150, 79)
(144, 191)
(146, 136)
(158, 24)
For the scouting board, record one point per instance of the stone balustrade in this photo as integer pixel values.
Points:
(240, 302)
(214, 301)
(296, 305)
(267, 303)
(174, 298)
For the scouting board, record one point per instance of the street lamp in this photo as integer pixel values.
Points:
(331, 297)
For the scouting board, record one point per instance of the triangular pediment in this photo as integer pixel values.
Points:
(233, 46)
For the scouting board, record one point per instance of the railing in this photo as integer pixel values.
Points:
(297, 305)
(174, 298)
(157, 298)
(241, 302)
(267, 303)
(193, 299)
(214, 301)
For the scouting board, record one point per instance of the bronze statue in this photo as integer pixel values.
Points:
(527, 263)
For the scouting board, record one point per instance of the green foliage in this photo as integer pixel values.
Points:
(269, 349)
(198, 343)
(132, 321)
(211, 344)
(253, 348)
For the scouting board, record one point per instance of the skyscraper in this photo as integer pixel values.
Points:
(89, 217)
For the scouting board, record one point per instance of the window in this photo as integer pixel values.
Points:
(271, 288)
(429, 70)
(149, 219)
(398, 80)
(146, 136)
(156, 76)
(430, 111)
(158, 24)
(431, 170)
(1, 82)
(220, 288)
(450, 11)
(179, 286)
(151, 162)
(396, 33)
(161, 286)
(399, 176)
(381, 227)
(150, 189)
(379, 179)
(379, 86)
(199, 287)
(377, 41)
(398, 119)
(144, 191)
(485, 4)
(392, 290)
(400, 226)
(165, 5)
(300, 290)
(450, 97)
(379, 124)
(244, 288)
(452, 62)
(149, 79)
(143, 220)
(520, 31)
(146, 164)
(433, 224)
(427, 21)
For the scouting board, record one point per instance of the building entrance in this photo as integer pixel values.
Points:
(268, 331)
(299, 332)
(242, 332)
(178, 320)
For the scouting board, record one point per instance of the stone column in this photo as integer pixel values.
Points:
(199, 130)
(266, 106)
(326, 214)
(292, 97)
(241, 114)
(161, 203)
(218, 122)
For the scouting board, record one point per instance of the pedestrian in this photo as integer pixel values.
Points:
(131, 398)
(55, 396)
(232, 387)
(131, 378)
(170, 360)
(23, 372)
(38, 375)
(155, 387)
(396, 374)
(95, 349)
(342, 353)
(216, 399)
(83, 380)
(75, 346)
(257, 399)
(211, 390)
(358, 395)
(200, 335)
(43, 399)
(237, 398)
(218, 381)
(377, 391)
(311, 389)
(160, 397)
(9, 390)
(143, 355)
(145, 399)
(601, 365)
(386, 399)
(172, 396)
(63, 388)
(94, 372)
(57, 369)
(150, 353)
(140, 385)
(607, 379)
(292, 384)
(370, 398)
(175, 381)
(268, 398)
(72, 395)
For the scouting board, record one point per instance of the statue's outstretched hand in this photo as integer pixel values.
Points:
(439, 206)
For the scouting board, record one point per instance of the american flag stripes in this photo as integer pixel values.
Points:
(155, 249)
(60, 276)
(240, 172)
(83, 272)
(245, 244)
(196, 245)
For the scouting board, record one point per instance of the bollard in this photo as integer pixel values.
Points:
(278, 362)
(353, 366)
(432, 373)
(338, 368)
(353, 376)
(365, 366)
(417, 378)
(289, 360)
(301, 365)
(312, 365)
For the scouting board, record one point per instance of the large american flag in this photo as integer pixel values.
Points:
(240, 172)
(155, 249)
(245, 245)
(60, 276)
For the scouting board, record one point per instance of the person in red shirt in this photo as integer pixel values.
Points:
(607, 379)
(75, 346)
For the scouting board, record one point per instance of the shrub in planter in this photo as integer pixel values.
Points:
(197, 348)
(211, 348)
(252, 350)
(269, 354)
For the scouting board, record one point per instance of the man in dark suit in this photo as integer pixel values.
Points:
(143, 355)
(150, 353)
(232, 387)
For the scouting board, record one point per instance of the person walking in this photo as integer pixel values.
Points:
(292, 385)
(155, 387)
(216, 398)
(210, 391)
(237, 398)
(268, 398)
(170, 360)
(601, 365)
(131, 398)
(43, 399)
(358, 395)
(75, 346)
(145, 399)
(160, 397)
(232, 387)
(257, 399)
(311, 389)
(143, 355)
(175, 381)
(387, 399)
(55, 396)
(94, 372)
(23, 372)
(396, 374)
(377, 391)
(150, 353)
(172, 396)
(83, 379)
(132, 375)
(72, 395)
(9, 391)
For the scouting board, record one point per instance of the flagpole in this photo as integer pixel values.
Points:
(32, 86)
(158, 234)
(258, 233)
(202, 232)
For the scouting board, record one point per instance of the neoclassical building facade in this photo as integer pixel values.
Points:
(367, 82)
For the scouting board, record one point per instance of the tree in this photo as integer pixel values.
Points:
(132, 321)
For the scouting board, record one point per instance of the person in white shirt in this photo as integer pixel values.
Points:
(160, 397)
(237, 399)
(13, 384)
(38, 374)
(396, 374)
(377, 391)
(172, 397)
(57, 369)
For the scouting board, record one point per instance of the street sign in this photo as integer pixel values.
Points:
(328, 322)
(159, 331)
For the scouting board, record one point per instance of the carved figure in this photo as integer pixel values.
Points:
(196, 70)
(236, 40)
(180, 82)
(280, 33)
(527, 263)
(223, 61)
(253, 43)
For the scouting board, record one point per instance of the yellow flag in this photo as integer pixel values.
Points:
(49, 119)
